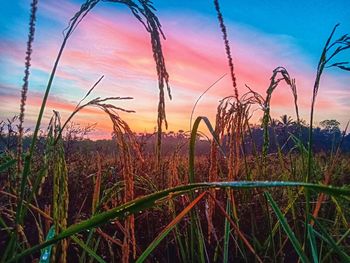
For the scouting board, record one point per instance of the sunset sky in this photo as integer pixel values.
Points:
(111, 42)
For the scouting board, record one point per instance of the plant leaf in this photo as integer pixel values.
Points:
(46, 252)
(148, 201)
(313, 244)
(7, 165)
(327, 238)
(296, 244)
(168, 228)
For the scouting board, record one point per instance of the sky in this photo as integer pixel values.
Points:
(111, 42)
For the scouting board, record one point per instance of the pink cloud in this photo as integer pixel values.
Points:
(115, 44)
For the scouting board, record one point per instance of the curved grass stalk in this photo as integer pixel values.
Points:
(195, 104)
(330, 50)
(193, 142)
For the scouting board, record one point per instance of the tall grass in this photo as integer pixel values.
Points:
(127, 199)
(24, 91)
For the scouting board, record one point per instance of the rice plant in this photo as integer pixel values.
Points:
(240, 201)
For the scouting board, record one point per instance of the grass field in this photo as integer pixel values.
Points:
(239, 201)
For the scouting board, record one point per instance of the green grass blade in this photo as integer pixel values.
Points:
(313, 244)
(227, 233)
(4, 227)
(340, 211)
(151, 200)
(9, 247)
(296, 244)
(168, 228)
(7, 165)
(286, 210)
(193, 142)
(328, 239)
(345, 235)
(88, 249)
(46, 252)
(196, 232)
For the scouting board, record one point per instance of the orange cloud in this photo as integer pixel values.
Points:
(116, 45)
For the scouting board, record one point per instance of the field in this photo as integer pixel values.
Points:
(232, 191)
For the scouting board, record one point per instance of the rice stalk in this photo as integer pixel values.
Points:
(227, 47)
(328, 174)
(60, 190)
(97, 188)
(265, 103)
(155, 31)
(168, 228)
(329, 52)
(144, 13)
(125, 140)
(142, 203)
(32, 20)
(152, 25)
(237, 230)
(85, 8)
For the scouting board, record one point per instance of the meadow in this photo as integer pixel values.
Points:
(277, 191)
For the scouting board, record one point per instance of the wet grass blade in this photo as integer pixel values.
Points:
(46, 252)
(296, 244)
(148, 201)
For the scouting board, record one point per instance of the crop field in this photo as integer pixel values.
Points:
(227, 190)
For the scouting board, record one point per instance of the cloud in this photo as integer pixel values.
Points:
(115, 44)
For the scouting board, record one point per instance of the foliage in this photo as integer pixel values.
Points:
(112, 211)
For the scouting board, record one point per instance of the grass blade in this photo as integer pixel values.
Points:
(227, 233)
(313, 244)
(148, 201)
(193, 142)
(296, 244)
(7, 165)
(168, 228)
(345, 235)
(328, 239)
(46, 252)
(88, 249)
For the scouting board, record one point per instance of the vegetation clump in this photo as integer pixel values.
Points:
(273, 192)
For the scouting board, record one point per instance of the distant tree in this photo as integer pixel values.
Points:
(330, 126)
(286, 120)
(274, 122)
